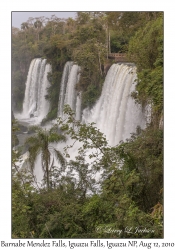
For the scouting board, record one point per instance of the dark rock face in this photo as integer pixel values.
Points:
(107, 67)
(12, 115)
(15, 141)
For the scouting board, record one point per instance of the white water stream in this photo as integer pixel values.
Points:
(68, 93)
(35, 106)
(115, 112)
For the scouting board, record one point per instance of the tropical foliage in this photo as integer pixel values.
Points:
(104, 190)
(41, 144)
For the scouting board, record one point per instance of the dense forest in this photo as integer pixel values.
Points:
(130, 194)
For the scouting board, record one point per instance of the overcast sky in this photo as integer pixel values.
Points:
(20, 17)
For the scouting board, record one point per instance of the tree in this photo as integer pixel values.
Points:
(146, 49)
(24, 26)
(87, 47)
(38, 25)
(41, 144)
(130, 178)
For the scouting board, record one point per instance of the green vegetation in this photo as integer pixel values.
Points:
(40, 143)
(129, 195)
(87, 41)
(149, 57)
(130, 192)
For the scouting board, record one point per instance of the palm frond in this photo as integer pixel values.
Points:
(41, 143)
(60, 157)
(54, 137)
(32, 140)
(33, 153)
(34, 128)
(53, 129)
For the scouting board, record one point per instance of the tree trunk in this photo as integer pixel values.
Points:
(109, 42)
(100, 63)
(47, 175)
(47, 168)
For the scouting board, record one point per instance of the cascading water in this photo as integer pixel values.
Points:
(35, 104)
(64, 80)
(68, 93)
(115, 113)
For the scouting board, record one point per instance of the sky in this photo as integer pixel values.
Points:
(19, 17)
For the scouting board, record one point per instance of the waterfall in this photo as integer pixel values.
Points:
(64, 80)
(35, 104)
(68, 93)
(116, 113)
